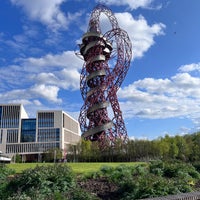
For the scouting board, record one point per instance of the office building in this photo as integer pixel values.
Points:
(26, 136)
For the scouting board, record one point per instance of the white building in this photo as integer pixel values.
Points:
(25, 136)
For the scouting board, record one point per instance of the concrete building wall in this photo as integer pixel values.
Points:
(71, 132)
(3, 140)
(54, 129)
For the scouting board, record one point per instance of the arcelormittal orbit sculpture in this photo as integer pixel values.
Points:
(107, 58)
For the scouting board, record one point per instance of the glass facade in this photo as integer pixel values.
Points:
(10, 116)
(45, 119)
(48, 135)
(12, 136)
(28, 130)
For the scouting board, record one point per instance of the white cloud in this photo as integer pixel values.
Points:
(61, 70)
(186, 81)
(46, 91)
(33, 78)
(47, 12)
(178, 96)
(66, 59)
(130, 3)
(37, 102)
(190, 67)
(22, 101)
(141, 34)
(69, 79)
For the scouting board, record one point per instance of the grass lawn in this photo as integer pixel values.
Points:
(78, 168)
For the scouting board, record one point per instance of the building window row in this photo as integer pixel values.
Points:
(30, 147)
(48, 135)
(10, 116)
(45, 119)
(12, 136)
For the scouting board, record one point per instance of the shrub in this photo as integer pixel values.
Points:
(5, 172)
(197, 165)
(150, 186)
(42, 181)
(156, 167)
(160, 179)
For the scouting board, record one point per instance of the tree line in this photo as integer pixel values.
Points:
(185, 148)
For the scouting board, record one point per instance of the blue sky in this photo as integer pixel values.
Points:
(160, 94)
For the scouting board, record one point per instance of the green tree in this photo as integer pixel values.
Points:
(52, 155)
(173, 149)
(164, 146)
(196, 148)
(17, 158)
(130, 150)
(183, 150)
(85, 150)
(95, 152)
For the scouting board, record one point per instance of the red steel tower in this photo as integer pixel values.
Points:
(107, 59)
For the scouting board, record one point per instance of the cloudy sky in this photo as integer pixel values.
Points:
(161, 92)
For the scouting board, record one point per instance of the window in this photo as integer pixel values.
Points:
(46, 119)
(9, 116)
(12, 136)
(28, 130)
(48, 135)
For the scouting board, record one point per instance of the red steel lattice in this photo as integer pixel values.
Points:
(99, 81)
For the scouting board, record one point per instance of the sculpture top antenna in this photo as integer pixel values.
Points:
(100, 80)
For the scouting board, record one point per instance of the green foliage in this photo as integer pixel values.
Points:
(57, 182)
(185, 148)
(17, 158)
(5, 173)
(78, 168)
(156, 167)
(42, 181)
(197, 165)
(52, 155)
(49, 182)
(158, 179)
(106, 169)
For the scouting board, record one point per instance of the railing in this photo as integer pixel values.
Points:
(186, 196)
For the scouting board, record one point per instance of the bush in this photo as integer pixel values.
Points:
(197, 165)
(5, 171)
(4, 176)
(150, 186)
(57, 182)
(42, 181)
(159, 179)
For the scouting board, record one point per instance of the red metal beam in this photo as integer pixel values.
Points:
(99, 81)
